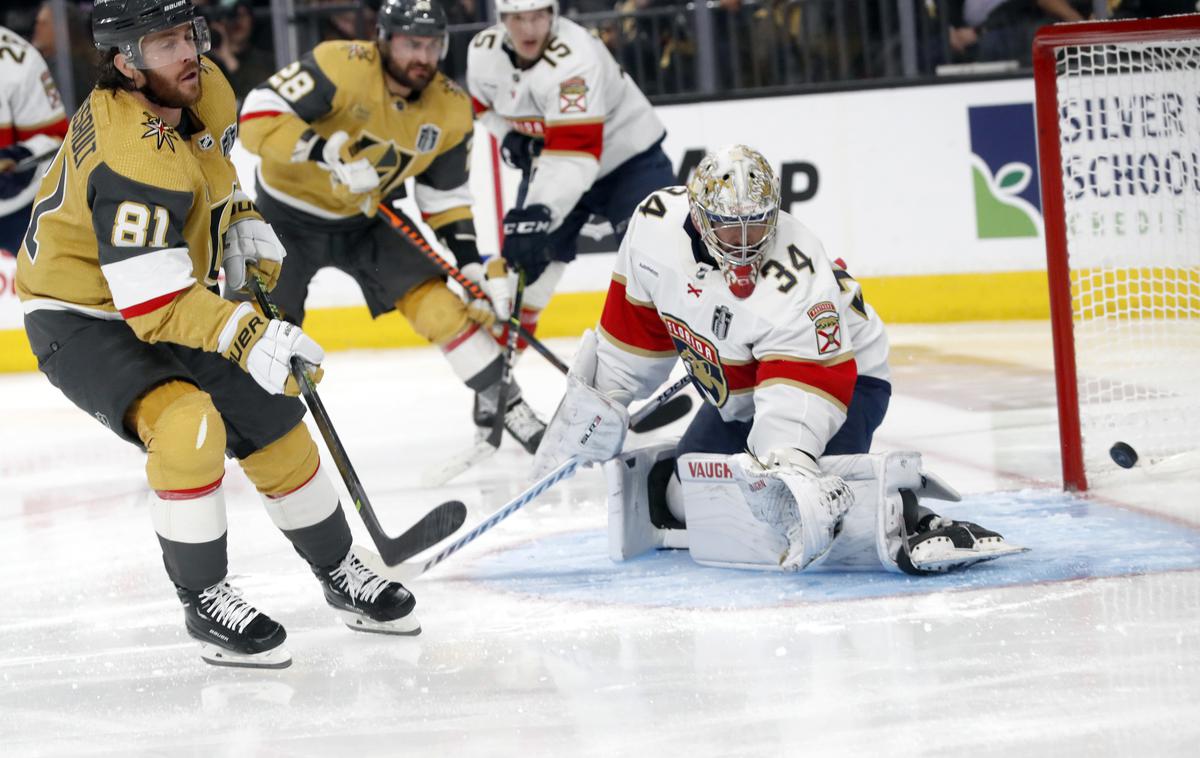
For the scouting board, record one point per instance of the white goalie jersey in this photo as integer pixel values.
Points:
(591, 115)
(781, 357)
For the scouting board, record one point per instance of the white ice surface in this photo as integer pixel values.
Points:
(94, 659)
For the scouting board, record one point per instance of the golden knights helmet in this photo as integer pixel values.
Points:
(734, 198)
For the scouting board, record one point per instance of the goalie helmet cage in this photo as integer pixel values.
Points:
(1118, 126)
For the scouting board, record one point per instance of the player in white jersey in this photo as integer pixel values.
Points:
(32, 125)
(717, 276)
(579, 129)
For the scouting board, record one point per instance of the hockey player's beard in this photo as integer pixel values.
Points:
(167, 94)
(414, 77)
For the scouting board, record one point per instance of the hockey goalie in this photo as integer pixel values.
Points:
(774, 471)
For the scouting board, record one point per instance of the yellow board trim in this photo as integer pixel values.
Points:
(898, 299)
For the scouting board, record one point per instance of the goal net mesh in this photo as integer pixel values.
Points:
(1129, 130)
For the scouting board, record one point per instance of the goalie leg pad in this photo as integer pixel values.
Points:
(740, 516)
(888, 520)
(639, 519)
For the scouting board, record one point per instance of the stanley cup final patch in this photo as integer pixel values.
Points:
(828, 325)
(721, 319)
(572, 95)
(427, 138)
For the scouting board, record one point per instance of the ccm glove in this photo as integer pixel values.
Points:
(526, 234)
(264, 348)
(251, 243)
(495, 282)
(356, 175)
(518, 151)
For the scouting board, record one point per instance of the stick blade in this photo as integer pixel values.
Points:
(669, 412)
(435, 526)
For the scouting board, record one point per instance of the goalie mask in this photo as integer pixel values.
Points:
(734, 198)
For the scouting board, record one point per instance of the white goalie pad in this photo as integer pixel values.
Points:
(740, 515)
(635, 479)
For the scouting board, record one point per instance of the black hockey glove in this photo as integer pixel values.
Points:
(518, 151)
(12, 183)
(526, 232)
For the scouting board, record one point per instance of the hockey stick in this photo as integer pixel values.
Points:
(471, 287)
(666, 414)
(433, 527)
(32, 161)
(662, 410)
(409, 571)
(510, 353)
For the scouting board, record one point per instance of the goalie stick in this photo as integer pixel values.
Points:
(433, 527)
(404, 572)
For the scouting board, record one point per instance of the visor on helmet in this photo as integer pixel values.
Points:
(179, 43)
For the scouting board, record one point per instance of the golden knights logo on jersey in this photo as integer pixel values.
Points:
(700, 358)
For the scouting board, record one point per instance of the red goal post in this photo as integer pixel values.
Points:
(1118, 125)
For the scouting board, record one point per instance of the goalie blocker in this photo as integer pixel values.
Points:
(860, 513)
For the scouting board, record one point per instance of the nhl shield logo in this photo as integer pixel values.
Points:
(720, 321)
(206, 142)
(427, 138)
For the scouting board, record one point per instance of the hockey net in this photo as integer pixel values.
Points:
(1118, 108)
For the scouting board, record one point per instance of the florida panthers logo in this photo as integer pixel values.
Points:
(701, 360)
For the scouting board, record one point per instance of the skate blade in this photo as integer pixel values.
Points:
(933, 559)
(406, 626)
(275, 658)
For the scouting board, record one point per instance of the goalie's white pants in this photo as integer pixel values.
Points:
(723, 527)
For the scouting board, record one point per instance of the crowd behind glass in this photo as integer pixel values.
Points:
(673, 49)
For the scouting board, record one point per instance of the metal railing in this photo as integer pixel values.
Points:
(696, 49)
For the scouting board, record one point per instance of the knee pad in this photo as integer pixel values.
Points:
(285, 465)
(184, 437)
(435, 313)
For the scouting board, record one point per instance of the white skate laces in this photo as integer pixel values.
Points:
(521, 421)
(224, 604)
(359, 581)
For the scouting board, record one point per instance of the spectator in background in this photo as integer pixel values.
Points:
(348, 24)
(1002, 30)
(83, 53)
(246, 66)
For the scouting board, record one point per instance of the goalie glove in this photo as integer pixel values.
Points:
(821, 502)
(264, 347)
(251, 243)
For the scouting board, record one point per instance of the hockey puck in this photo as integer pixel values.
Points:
(1123, 455)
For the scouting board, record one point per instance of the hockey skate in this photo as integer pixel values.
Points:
(520, 421)
(936, 544)
(232, 632)
(365, 601)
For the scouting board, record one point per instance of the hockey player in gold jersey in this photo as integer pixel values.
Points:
(117, 274)
(339, 131)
